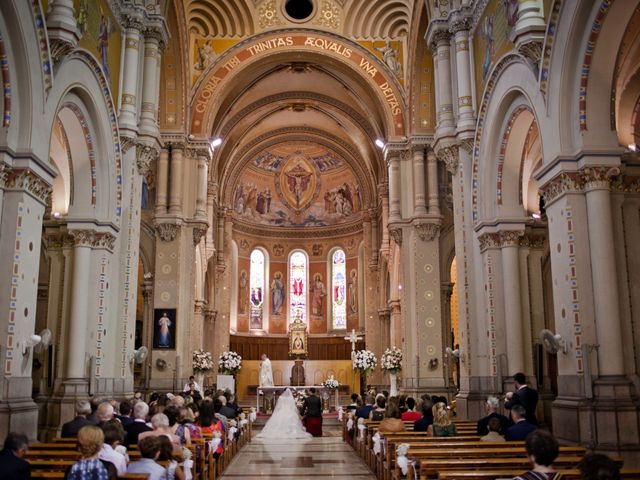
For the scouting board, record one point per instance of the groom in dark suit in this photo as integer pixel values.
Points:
(525, 396)
(312, 414)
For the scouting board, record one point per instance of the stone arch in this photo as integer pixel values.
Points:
(217, 82)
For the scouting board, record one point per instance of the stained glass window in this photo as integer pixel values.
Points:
(298, 286)
(339, 289)
(256, 289)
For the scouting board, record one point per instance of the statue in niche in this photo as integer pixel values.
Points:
(243, 293)
(390, 58)
(277, 294)
(318, 292)
(353, 291)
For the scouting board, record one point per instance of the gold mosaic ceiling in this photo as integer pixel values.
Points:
(355, 19)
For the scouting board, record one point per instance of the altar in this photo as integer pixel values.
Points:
(272, 393)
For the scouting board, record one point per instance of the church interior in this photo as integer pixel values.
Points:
(312, 179)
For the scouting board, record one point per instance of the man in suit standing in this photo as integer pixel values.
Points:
(525, 396)
(312, 414)
(12, 465)
(71, 429)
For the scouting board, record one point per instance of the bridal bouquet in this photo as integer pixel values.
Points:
(202, 361)
(229, 363)
(331, 383)
(364, 361)
(391, 360)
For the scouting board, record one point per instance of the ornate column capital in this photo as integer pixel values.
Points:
(489, 241)
(384, 314)
(533, 240)
(199, 149)
(587, 178)
(167, 232)
(510, 238)
(145, 156)
(4, 174)
(83, 238)
(427, 231)
(199, 231)
(395, 231)
(104, 240)
(23, 179)
(459, 25)
(210, 314)
(438, 38)
(450, 156)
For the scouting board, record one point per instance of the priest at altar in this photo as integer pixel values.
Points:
(266, 373)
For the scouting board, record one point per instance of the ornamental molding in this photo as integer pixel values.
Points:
(60, 48)
(439, 38)
(199, 149)
(83, 238)
(459, 25)
(510, 238)
(396, 234)
(450, 156)
(588, 178)
(104, 240)
(145, 156)
(303, 233)
(489, 241)
(427, 231)
(210, 314)
(126, 142)
(384, 314)
(198, 232)
(4, 174)
(467, 144)
(532, 51)
(167, 232)
(27, 181)
(535, 241)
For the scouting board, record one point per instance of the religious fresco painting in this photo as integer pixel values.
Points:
(297, 185)
(164, 328)
(101, 35)
(491, 37)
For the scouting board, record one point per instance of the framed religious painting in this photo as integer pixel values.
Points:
(164, 328)
(298, 338)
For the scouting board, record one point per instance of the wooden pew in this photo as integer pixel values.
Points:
(567, 474)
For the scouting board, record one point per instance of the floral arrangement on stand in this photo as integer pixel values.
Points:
(202, 361)
(391, 360)
(331, 383)
(229, 363)
(364, 361)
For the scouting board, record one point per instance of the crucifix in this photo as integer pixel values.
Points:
(353, 338)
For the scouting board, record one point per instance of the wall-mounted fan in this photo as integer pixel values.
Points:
(140, 354)
(452, 353)
(38, 342)
(552, 343)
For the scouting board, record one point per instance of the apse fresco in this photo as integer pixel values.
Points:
(297, 185)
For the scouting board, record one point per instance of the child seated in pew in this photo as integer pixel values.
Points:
(173, 470)
(494, 427)
(150, 451)
(542, 449)
(442, 425)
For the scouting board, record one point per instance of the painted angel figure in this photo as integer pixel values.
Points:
(390, 58)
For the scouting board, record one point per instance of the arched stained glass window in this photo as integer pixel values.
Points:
(298, 286)
(339, 290)
(256, 289)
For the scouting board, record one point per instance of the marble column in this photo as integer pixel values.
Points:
(212, 195)
(512, 301)
(441, 45)
(75, 368)
(175, 194)
(62, 28)
(127, 119)
(605, 280)
(373, 260)
(419, 188)
(162, 182)
(148, 117)
(221, 229)
(432, 176)
(395, 185)
(466, 117)
(147, 328)
(383, 194)
(201, 196)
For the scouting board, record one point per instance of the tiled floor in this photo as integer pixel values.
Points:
(326, 457)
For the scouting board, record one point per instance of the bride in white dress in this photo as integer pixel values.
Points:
(285, 421)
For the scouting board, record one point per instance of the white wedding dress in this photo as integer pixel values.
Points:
(285, 421)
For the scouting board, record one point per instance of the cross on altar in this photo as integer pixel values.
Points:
(353, 338)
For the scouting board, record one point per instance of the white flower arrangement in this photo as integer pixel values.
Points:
(364, 361)
(202, 361)
(331, 383)
(229, 363)
(391, 360)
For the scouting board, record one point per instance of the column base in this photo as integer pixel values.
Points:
(60, 408)
(609, 422)
(18, 411)
(472, 397)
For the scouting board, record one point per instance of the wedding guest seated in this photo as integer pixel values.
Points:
(187, 420)
(411, 415)
(491, 411)
(423, 424)
(139, 425)
(113, 436)
(365, 410)
(93, 416)
(442, 425)
(355, 402)
(226, 410)
(173, 470)
(175, 427)
(149, 451)
(210, 424)
(232, 402)
(125, 413)
(377, 414)
(90, 440)
(521, 427)
(105, 413)
(596, 466)
(12, 465)
(392, 421)
(542, 450)
(160, 425)
(177, 401)
(71, 428)
(402, 403)
(494, 431)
